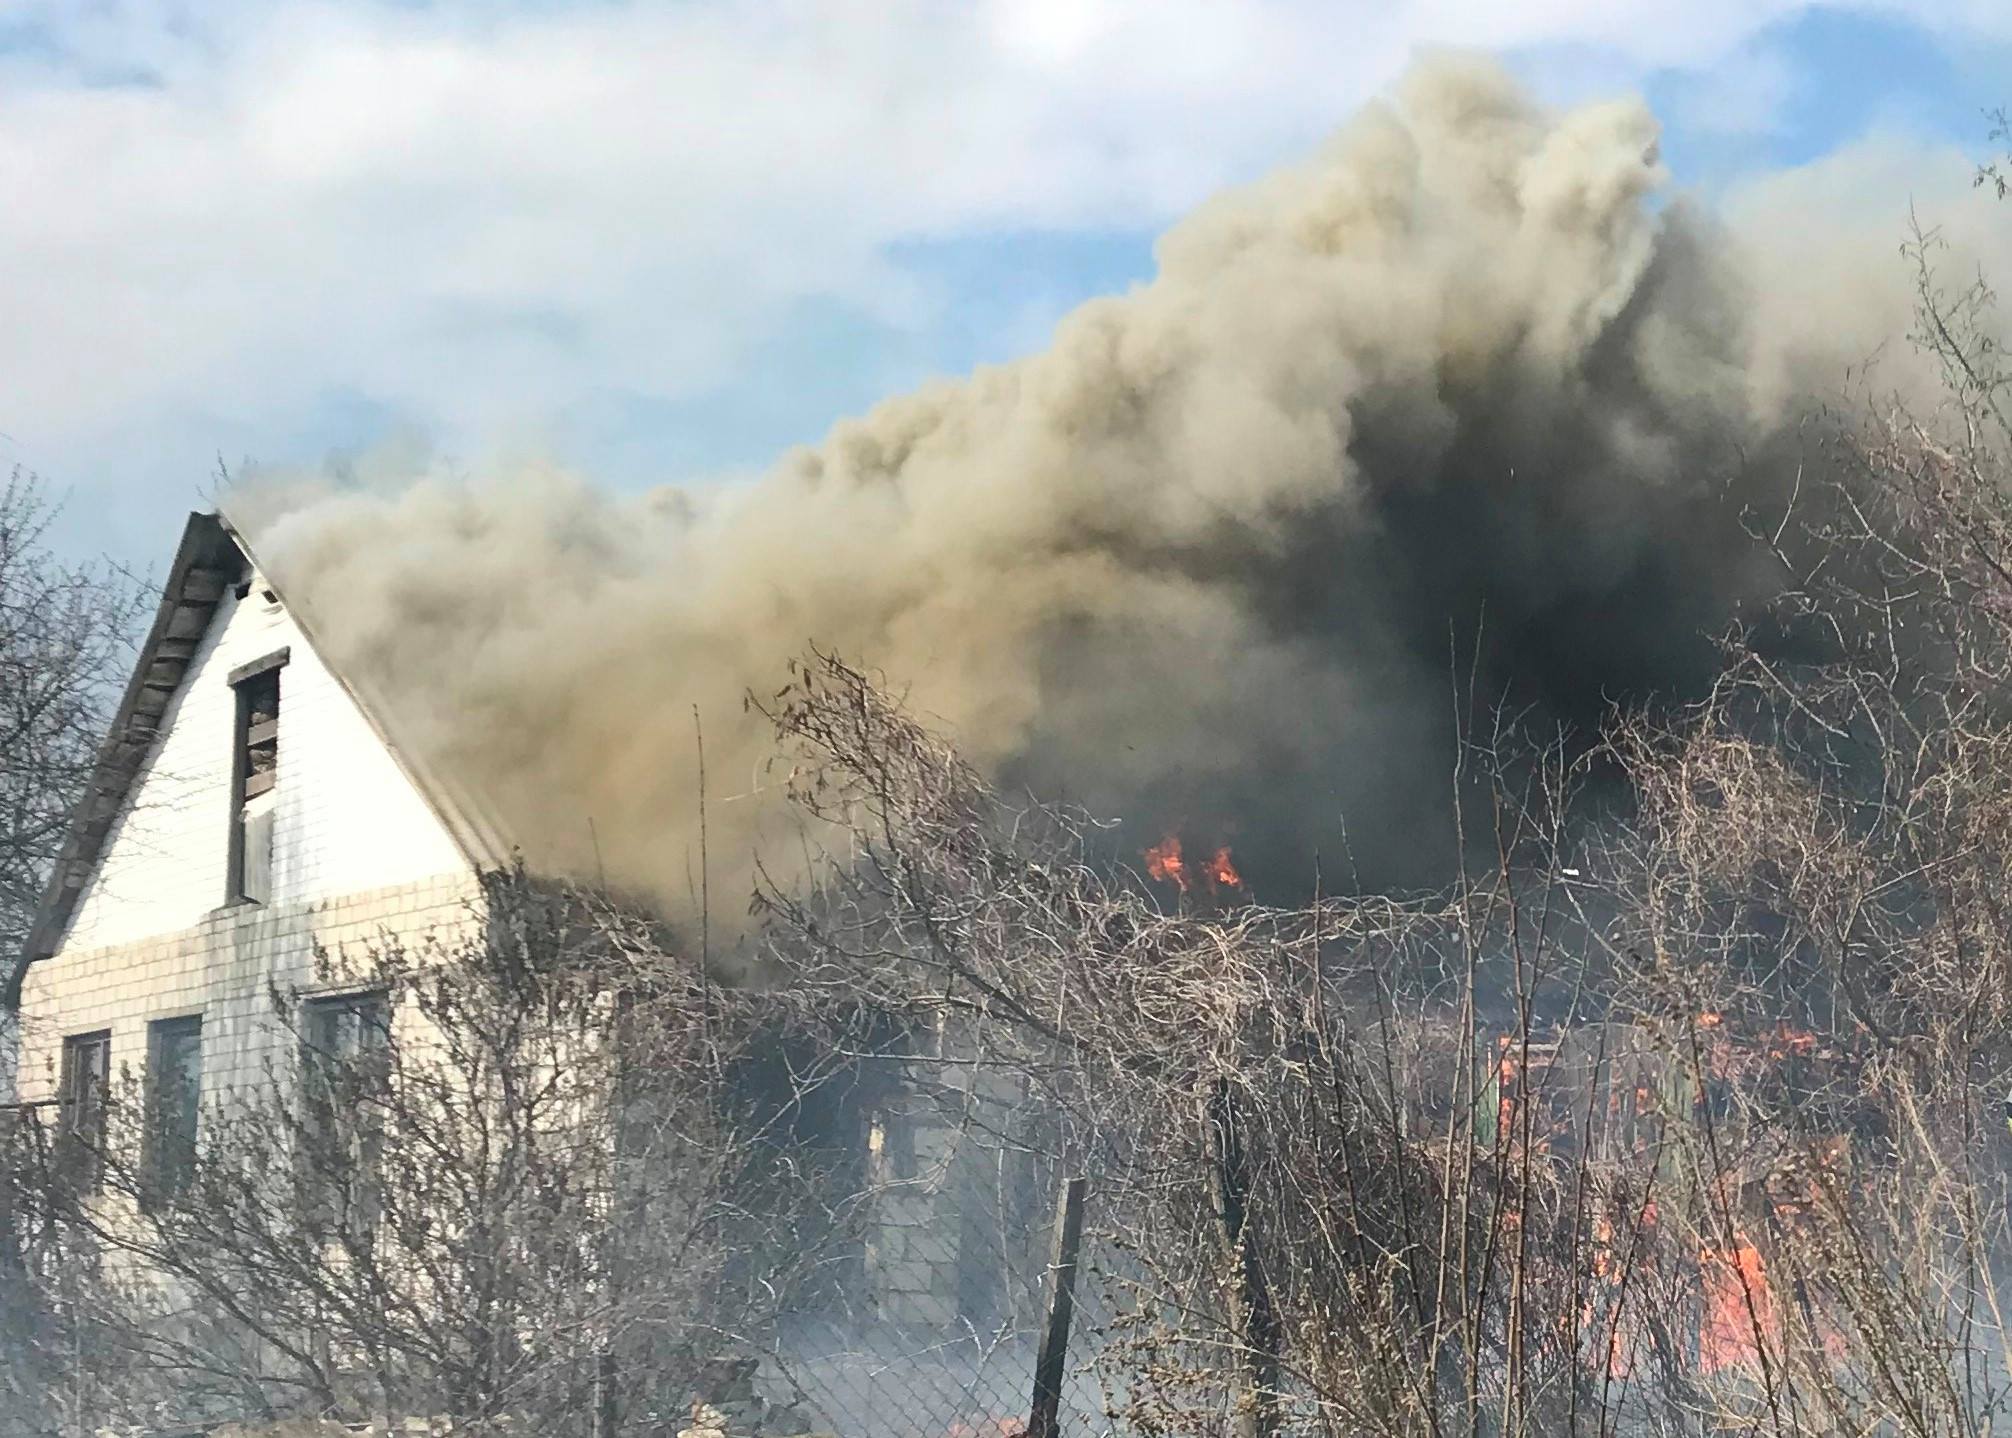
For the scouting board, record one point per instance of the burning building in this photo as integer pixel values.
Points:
(1210, 553)
(255, 822)
(249, 805)
(1722, 1139)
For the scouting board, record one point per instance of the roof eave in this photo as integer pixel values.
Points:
(207, 562)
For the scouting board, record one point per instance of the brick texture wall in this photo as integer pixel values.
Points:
(221, 969)
(359, 857)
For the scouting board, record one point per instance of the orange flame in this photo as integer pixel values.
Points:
(1789, 1042)
(1164, 862)
(1739, 1312)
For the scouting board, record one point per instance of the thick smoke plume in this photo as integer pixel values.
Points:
(1212, 560)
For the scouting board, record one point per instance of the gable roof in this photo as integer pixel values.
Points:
(211, 559)
(470, 823)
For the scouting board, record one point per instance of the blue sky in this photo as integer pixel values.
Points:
(664, 242)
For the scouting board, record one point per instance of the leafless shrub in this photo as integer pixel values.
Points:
(507, 1178)
(1622, 1134)
(65, 633)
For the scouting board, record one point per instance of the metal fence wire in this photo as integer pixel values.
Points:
(973, 1299)
(963, 1249)
(956, 1350)
(959, 1274)
(985, 1282)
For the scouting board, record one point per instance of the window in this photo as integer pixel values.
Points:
(87, 1072)
(174, 1101)
(254, 773)
(343, 1044)
(341, 1033)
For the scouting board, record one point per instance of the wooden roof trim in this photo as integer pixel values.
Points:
(264, 664)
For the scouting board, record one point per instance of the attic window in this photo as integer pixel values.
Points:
(254, 774)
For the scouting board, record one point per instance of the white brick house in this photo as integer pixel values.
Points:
(252, 806)
(248, 804)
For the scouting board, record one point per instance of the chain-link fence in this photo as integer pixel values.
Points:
(944, 1357)
(969, 1296)
(981, 1262)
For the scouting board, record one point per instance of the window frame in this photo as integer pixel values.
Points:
(85, 1152)
(248, 681)
(328, 1120)
(169, 1172)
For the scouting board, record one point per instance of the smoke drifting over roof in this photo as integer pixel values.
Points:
(1199, 562)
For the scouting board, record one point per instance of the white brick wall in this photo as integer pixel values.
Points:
(222, 969)
(358, 854)
(347, 819)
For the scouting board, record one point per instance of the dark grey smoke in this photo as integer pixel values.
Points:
(1210, 561)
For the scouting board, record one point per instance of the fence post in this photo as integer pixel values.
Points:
(1050, 1365)
(1254, 1318)
(607, 1412)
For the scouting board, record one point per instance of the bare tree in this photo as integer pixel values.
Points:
(1619, 1134)
(65, 631)
(506, 1178)
(65, 636)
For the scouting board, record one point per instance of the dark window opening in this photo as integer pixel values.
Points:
(254, 774)
(342, 1033)
(344, 1042)
(84, 1083)
(174, 1102)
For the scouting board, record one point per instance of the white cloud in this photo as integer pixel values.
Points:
(476, 214)
(1744, 94)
